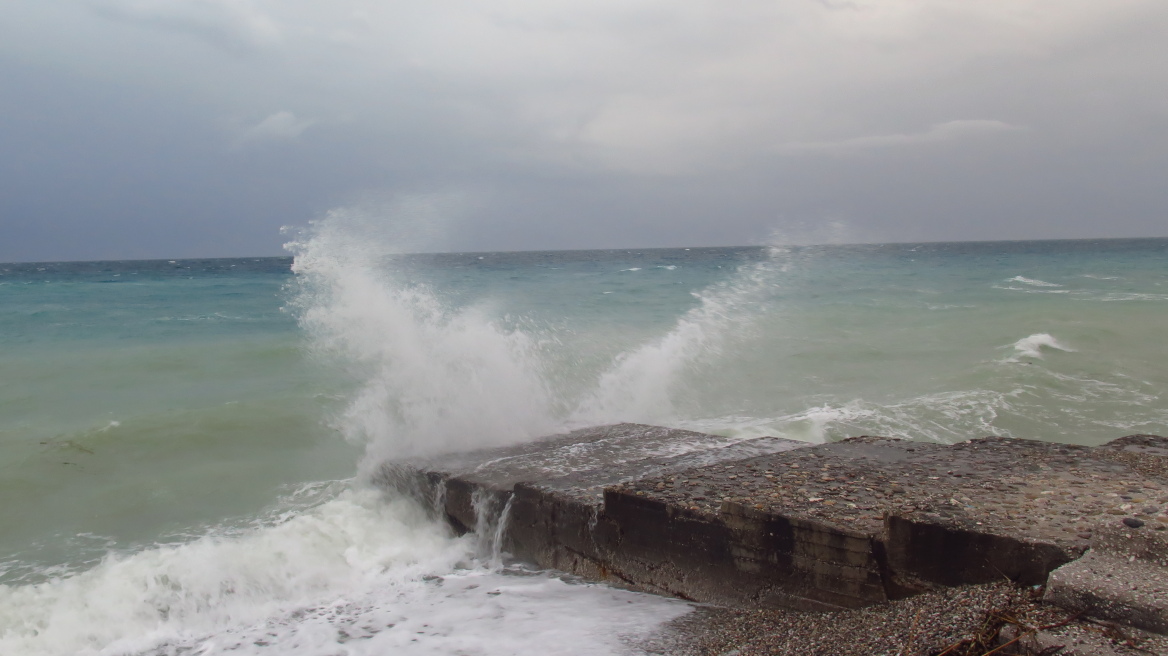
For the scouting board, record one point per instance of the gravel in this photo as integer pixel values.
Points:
(966, 620)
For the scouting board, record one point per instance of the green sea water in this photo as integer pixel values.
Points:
(182, 442)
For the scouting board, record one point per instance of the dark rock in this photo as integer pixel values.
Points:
(1132, 522)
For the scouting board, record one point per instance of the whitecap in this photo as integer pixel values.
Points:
(1033, 282)
(1032, 346)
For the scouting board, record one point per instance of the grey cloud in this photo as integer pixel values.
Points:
(235, 25)
(585, 124)
(280, 126)
(938, 133)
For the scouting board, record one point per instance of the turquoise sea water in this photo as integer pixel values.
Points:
(182, 442)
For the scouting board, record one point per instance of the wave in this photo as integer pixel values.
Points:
(640, 384)
(1033, 346)
(432, 378)
(1132, 296)
(359, 572)
(437, 377)
(130, 604)
(1032, 282)
(1031, 290)
(944, 417)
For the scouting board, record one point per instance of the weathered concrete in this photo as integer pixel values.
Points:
(1123, 578)
(1078, 638)
(552, 495)
(1147, 454)
(776, 523)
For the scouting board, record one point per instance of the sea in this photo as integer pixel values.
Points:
(186, 445)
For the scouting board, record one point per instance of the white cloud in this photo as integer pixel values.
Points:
(281, 126)
(938, 133)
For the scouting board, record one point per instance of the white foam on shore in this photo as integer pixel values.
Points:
(358, 574)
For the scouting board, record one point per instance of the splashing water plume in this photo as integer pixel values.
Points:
(433, 379)
(640, 384)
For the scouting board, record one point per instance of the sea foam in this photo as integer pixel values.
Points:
(1034, 283)
(1032, 346)
(359, 573)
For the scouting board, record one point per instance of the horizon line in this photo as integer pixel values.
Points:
(619, 248)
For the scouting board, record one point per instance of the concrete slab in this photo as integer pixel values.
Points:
(974, 512)
(1122, 578)
(550, 494)
(777, 523)
(1147, 454)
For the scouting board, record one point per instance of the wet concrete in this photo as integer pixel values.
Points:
(776, 523)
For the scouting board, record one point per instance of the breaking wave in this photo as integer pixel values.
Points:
(1034, 345)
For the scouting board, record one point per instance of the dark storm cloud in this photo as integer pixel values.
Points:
(136, 128)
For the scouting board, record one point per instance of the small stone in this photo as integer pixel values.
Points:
(1132, 522)
(1085, 535)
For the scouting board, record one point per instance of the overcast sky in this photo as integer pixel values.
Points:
(182, 128)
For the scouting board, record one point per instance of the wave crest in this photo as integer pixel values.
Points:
(1032, 346)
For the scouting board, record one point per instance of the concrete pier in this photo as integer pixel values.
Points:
(776, 523)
